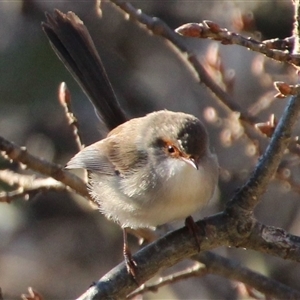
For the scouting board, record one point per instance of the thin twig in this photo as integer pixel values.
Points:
(27, 185)
(280, 44)
(20, 154)
(64, 97)
(209, 29)
(198, 270)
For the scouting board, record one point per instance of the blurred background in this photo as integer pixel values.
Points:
(55, 242)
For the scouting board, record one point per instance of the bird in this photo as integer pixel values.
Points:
(151, 170)
(148, 171)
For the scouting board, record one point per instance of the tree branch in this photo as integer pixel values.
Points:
(198, 270)
(64, 97)
(248, 196)
(20, 154)
(218, 265)
(27, 184)
(209, 29)
(179, 244)
(280, 44)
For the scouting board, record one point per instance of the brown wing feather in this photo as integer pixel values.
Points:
(117, 152)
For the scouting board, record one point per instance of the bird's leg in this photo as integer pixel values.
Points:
(195, 230)
(130, 263)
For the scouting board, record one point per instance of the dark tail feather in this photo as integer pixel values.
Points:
(74, 46)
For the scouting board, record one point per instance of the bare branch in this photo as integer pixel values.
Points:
(198, 270)
(179, 244)
(209, 29)
(248, 196)
(280, 44)
(28, 181)
(27, 184)
(216, 264)
(272, 240)
(19, 154)
(8, 197)
(64, 97)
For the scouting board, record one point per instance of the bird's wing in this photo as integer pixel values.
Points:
(92, 158)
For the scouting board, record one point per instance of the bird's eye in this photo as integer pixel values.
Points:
(171, 149)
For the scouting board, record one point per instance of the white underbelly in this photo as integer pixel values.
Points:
(184, 191)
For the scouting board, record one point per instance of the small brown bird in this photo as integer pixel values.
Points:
(148, 171)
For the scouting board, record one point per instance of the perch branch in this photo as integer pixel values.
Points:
(218, 265)
(177, 245)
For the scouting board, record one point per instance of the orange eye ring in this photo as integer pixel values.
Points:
(171, 149)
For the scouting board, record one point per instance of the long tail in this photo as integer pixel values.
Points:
(74, 46)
